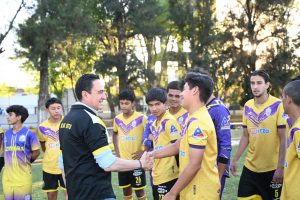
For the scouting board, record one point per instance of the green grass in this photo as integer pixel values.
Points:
(230, 191)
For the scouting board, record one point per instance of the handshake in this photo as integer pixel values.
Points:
(147, 160)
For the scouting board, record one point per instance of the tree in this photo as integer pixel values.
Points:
(257, 38)
(52, 21)
(194, 21)
(3, 36)
(120, 23)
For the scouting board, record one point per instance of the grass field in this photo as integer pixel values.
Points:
(229, 193)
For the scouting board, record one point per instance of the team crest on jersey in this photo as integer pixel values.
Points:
(133, 124)
(173, 130)
(22, 138)
(284, 116)
(268, 111)
(180, 120)
(225, 123)
(198, 134)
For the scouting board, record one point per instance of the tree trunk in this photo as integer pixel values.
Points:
(44, 87)
(121, 51)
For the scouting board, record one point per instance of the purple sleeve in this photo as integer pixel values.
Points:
(146, 142)
(34, 143)
(221, 118)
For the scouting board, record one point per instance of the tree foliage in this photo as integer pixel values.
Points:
(258, 39)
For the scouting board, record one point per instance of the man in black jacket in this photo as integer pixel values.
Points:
(87, 158)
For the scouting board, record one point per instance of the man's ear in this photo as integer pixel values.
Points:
(195, 90)
(84, 94)
(289, 100)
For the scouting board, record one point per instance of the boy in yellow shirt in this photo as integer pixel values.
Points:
(128, 129)
(49, 139)
(291, 105)
(164, 130)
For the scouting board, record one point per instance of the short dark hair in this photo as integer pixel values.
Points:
(19, 111)
(292, 90)
(203, 82)
(127, 94)
(262, 73)
(175, 85)
(51, 101)
(156, 94)
(200, 70)
(85, 83)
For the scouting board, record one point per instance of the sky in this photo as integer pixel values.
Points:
(10, 72)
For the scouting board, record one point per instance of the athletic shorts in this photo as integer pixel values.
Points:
(159, 191)
(254, 184)
(52, 182)
(135, 179)
(22, 192)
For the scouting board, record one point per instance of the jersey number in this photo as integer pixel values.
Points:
(138, 180)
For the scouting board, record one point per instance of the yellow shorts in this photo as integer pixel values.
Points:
(22, 192)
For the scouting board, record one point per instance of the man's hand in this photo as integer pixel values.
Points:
(137, 155)
(233, 168)
(278, 175)
(147, 161)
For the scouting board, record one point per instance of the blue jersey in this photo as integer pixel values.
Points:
(150, 119)
(221, 119)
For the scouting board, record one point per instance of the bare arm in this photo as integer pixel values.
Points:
(196, 156)
(244, 141)
(34, 155)
(43, 146)
(278, 175)
(146, 163)
(221, 169)
(170, 150)
(115, 139)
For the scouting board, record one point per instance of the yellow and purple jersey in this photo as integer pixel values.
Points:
(262, 123)
(130, 132)
(164, 132)
(48, 133)
(199, 132)
(290, 190)
(181, 116)
(18, 148)
(221, 118)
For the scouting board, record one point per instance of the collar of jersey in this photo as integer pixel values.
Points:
(92, 109)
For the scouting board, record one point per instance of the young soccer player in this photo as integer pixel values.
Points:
(128, 130)
(221, 119)
(21, 148)
(49, 139)
(174, 102)
(264, 132)
(291, 105)
(198, 174)
(164, 130)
